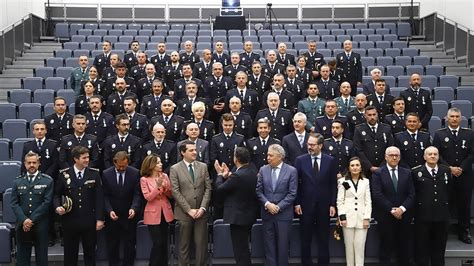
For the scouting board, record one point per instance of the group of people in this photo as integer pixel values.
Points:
(289, 139)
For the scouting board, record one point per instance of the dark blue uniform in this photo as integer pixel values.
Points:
(287, 99)
(420, 104)
(202, 72)
(32, 200)
(411, 149)
(130, 60)
(281, 124)
(132, 145)
(48, 155)
(250, 102)
(259, 83)
(167, 151)
(286, 59)
(100, 62)
(87, 208)
(180, 88)
(297, 87)
(351, 68)
(354, 118)
(323, 125)
(70, 141)
(160, 63)
(137, 72)
(258, 151)
(305, 75)
(57, 128)
(292, 146)
(115, 102)
(101, 127)
(192, 58)
(342, 152)
(151, 105)
(384, 108)
(206, 129)
(396, 122)
(184, 107)
(246, 59)
(328, 89)
(174, 127)
(224, 59)
(314, 60)
(81, 106)
(271, 70)
(222, 148)
(171, 74)
(140, 126)
(144, 86)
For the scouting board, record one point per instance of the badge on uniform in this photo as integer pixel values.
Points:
(463, 144)
(149, 102)
(254, 148)
(324, 128)
(221, 145)
(52, 121)
(113, 101)
(409, 98)
(331, 148)
(113, 146)
(363, 133)
(354, 118)
(446, 178)
(69, 143)
(446, 139)
(250, 82)
(81, 102)
(47, 154)
(394, 122)
(405, 143)
(420, 174)
(148, 152)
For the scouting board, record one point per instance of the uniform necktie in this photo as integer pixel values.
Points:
(130, 117)
(79, 175)
(301, 140)
(150, 81)
(122, 139)
(394, 179)
(30, 178)
(274, 178)
(348, 55)
(373, 130)
(273, 114)
(401, 117)
(175, 67)
(166, 119)
(338, 142)
(433, 172)
(292, 82)
(206, 65)
(191, 171)
(242, 93)
(40, 145)
(161, 57)
(199, 124)
(263, 143)
(413, 135)
(157, 98)
(120, 179)
(272, 66)
(79, 139)
(325, 82)
(380, 99)
(227, 137)
(158, 145)
(218, 80)
(316, 166)
(346, 102)
(96, 117)
(415, 92)
(454, 132)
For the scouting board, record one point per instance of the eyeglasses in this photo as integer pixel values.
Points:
(393, 155)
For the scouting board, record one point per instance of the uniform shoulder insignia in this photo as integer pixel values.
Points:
(94, 169)
(399, 133)
(341, 116)
(441, 129)
(254, 138)
(18, 177)
(465, 128)
(64, 170)
(417, 167)
(359, 125)
(320, 117)
(218, 134)
(285, 110)
(240, 135)
(46, 176)
(328, 139)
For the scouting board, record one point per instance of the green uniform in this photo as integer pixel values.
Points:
(32, 200)
(312, 109)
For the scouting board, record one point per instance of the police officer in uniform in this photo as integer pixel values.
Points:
(356, 116)
(273, 66)
(181, 84)
(287, 98)
(173, 123)
(85, 215)
(138, 71)
(144, 85)
(120, 72)
(432, 181)
(257, 80)
(396, 120)
(151, 104)
(183, 106)
(79, 74)
(323, 124)
(293, 84)
(303, 73)
(189, 56)
(371, 139)
(110, 71)
(206, 127)
(284, 57)
(203, 70)
(215, 88)
(122, 141)
(381, 99)
(412, 142)
(314, 60)
(345, 102)
(59, 123)
(456, 149)
(115, 100)
(202, 146)
(162, 147)
(336, 73)
(172, 71)
(78, 138)
(258, 146)
(103, 60)
(219, 55)
(161, 59)
(328, 88)
(31, 198)
(418, 100)
(312, 106)
(280, 119)
(99, 123)
(139, 124)
(350, 64)
(242, 120)
(250, 100)
(340, 148)
(248, 56)
(130, 59)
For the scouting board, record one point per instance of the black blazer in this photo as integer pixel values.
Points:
(49, 154)
(369, 88)
(385, 197)
(121, 199)
(240, 203)
(293, 148)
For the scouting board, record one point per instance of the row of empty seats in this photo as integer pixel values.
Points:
(41, 96)
(65, 30)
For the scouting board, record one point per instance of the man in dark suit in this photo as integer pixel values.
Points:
(323, 123)
(356, 116)
(276, 190)
(189, 56)
(340, 148)
(284, 57)
(412, 142)
(115, 100)
(381, 99)
(432, 181)
(287, 98)
(396, 120)
(314, 60)
(139, 124)
(240, 202)
(215, 88)
(273, 66)
(248, 56)
(369, 87)
(173, 123)
(349, 62)
(164, 148)
(257, 80)
(103, 60)
(418, 100)
(456, 149)
(234, 66)
(280, 118)
(130, 59)
(258, 146)
(161, 59)
(144, 86)
(250, 100)
(59, 123)
(316, 200)
(151, 104)
(293, 84)
(121, 186)
(242, 120)
(202, 70)
(184, 105)
(83, 186)
(172, 72)
(295, 142)
(219, 55)
(202, 146)
(179, 91)
(328, 88)
(393, 196)
(99, 123)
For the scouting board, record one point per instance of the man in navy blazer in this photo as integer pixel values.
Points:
(295, 142)
(316, 199)
(121, 185)
(393, 196)
(277, 184)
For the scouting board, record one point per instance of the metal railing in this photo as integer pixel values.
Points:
(14, 39)
(454, 38)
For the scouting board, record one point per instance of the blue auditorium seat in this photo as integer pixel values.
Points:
(61, 30)
(464, 105)
(384, 61)
(19, 96)
(434, 124)
(361, 25)
(105, 26)
(403, 60)
(443, 93)
(346, 26)
(430, 81)
(404, 29)
(17, 148)
(390, 37)
(91, 26)
(411, 69)
(373, 52)
(84, 32)
(32, 83)
(367, 31)
(395, 71)
(399, 44)
(55, 83)
(306, 32)
(222, 241)
(9, 170)
(86, 46)
(393, 52)
(71, 45)
(337, 32)
(54, 62)
(78, 38)
(374, 37)
(395, 91)
(5, 243)
(435, 70)
(411, 52)
(465, 93)
(4, 147)
(29, 111)
(449, 81)
(63, 53)
(100, 32)
(382, 31)
(7, 111)
(43, 96)
(43, 72)
(390, 25)
(440, 108)
(256, 240)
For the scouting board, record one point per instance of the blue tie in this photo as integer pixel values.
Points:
(274, 178)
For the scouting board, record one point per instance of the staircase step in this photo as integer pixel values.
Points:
(18, 76)
(10, 83)
(32, 58)
(467, 81)
(17, 71)
(21, 66)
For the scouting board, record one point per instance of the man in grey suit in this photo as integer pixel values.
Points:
(202, 146)
(276, 190)
(192, 192)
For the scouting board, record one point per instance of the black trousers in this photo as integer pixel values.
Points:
(240, 243)
(395, 237)
(115, 231)
(159, 236)
(37, 237)
(431, 240)
(461, 197)
(320, 214)
(73, 234)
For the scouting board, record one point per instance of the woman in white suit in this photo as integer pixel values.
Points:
(355, 209)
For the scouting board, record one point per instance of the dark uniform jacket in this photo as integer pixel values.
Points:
(412, 150)
(297, 87)
(268, 71)
(395, 122)
(287, 99)
(108, 73)
(180, 88)
(70, 141)
(369, 88)
(258, 152)
(103, 127)
(281, 124)
(151, 105)
(342, 152)
(160, 64)
(140, 126)
(137, 72)
(328, 89)
(323, 125)
(58, 128)
(304, 75)
(192, 59)
(130, 84)
(100, 62)
(81, 106)
(132, 145)
(250, 103)
(384, 108)
(144, 86)
(86, 194)
(222, 148)
(130, 60)
(293, 148)
(261, 83)
(174, 127)
(231, 71)
(351, 67)
(217, 90)
(354, 118)
(455, 150)
(247, 59)
(420, 104)
(167, 151)
(432, 193)
(286, 59)
(314, 61)
(171, 74)
(224, 59)
(48, 156)
(100, 87)
(115, 102)
(184, 107)
(242, 124)
(371, 147)
(206, 129)
(201, 72)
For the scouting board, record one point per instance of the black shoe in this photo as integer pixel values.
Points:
(465, 239)
(62, 243)
(51, 243)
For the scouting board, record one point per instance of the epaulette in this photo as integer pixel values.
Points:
(401, 132)
(328, 139)
(218, 134)
(361, 124)
(237, 134)
(321, 116)
(284, 109)
(64, 170)
(95, 169)
(252, 138)
(416, 167)
(20, 176)
(466, 128)
(46, 176)
(341, 116)
(440, 129)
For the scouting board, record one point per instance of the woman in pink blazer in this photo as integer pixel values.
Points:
(156, 188)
